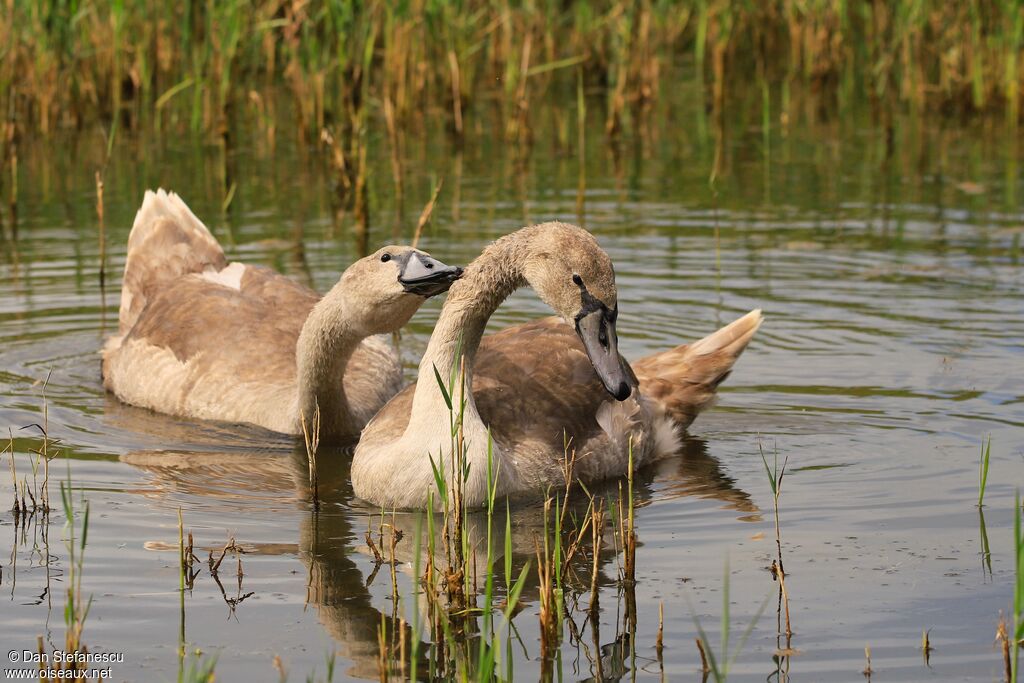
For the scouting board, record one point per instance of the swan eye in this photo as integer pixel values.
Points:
(577, 279)
(385, 258)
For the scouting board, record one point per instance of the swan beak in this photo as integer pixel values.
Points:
(426, 276)
(596, 330)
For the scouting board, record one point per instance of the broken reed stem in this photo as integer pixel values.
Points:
(703, 656)
(312, 441)
(425, 215)
(378, 559)
(215, 565)
(1003, 636)
(779, 573)
(659, 642)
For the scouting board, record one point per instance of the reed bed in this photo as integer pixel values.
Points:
(141, 62)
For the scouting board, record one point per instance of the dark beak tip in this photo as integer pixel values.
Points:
(623, 391)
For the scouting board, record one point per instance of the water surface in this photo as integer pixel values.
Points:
(891, 281)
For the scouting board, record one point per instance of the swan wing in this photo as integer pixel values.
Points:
(167, 241)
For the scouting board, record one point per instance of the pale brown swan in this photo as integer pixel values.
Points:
(541, 386)
(203, 338)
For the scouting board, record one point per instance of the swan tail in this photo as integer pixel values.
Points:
(167, 241)
(683, 380)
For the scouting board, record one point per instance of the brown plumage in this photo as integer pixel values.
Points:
(534, 386)
(683, 380)
(203, 338)
(172, 243)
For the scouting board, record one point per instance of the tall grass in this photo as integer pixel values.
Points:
(147, 62)
(76, 608)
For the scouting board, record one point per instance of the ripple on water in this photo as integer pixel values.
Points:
(890, 348)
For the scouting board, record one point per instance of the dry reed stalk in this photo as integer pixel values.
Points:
(546, 588)
(516, 130)
(14, 475)
(396, 536)
(378, 559)
(705, 669)
(1003, 637)
(102, 228)
(779, 574)
(361, 205)
(278, 664)
(396, 154)
(12, 163)
(338, 162)
(453, 65)
(568, 465)
(577, 539)
(427, 212)
(659, 642)
(229, 546)
(596, 532)
(627, 530)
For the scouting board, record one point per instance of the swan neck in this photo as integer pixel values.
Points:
(488, 281)
(325, 346)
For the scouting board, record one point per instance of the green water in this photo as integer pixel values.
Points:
(888, 268)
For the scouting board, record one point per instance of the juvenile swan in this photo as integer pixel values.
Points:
(203, 338)
(539, 385)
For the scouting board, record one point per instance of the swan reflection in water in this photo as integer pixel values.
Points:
(339, 563)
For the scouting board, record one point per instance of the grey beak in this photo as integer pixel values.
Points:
(426, 276)
(596, 329)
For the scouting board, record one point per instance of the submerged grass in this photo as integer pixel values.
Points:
(146, 62)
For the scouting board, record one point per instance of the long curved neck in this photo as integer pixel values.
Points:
(487, 281)
(325, 346)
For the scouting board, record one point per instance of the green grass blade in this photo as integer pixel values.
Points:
(444, 390)
(983, 470)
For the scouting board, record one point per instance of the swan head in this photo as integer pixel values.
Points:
(574, 276)
(384, 289)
